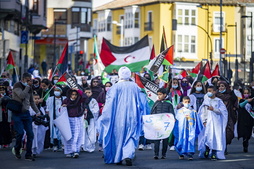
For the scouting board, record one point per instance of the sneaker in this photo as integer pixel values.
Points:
(181, 157)
(213, 158)
(149, 147)
(17, 153)
(206, 154)
(30, 158)
(128, 162)
(120, 163)
(141, 147)
(172, 148)
(163, 157)
(156, 157)
(100, 149)
(245, 149)
(55, 149)
(76, 155)
(68, 156)
(190, 157)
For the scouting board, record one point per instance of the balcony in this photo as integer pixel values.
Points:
(85, 28)
(148, 26)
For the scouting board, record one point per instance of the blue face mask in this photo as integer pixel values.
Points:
(175, 86)
(209, 94)
(25, 84)
(222, 91)
(186, 105)
(199, 89)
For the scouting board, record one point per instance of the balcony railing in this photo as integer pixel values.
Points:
(216, 28)
(148, 26)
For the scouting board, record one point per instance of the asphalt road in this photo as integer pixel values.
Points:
(236, 159)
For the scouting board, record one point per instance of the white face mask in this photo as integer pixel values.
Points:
(107, 88)
(199, 89)
(57, 93)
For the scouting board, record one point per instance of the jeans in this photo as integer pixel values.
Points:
(23, 121)
(164, 147)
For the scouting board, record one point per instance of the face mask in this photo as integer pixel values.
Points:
(72, 99)
(252, 87)
(36, 86)
(25, 84)
(107, 88)
(222, 91)
(186, 105)
(184, 84)
(246, 95)
(55, 81)
(209, 94)
(175, 86)
(45, 90)
(57, 93)
(199, 89)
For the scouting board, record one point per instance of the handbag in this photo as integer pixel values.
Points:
(14, 106)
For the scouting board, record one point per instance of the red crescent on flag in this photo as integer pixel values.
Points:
(128, 58)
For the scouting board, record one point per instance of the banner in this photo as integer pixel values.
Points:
(158, 126)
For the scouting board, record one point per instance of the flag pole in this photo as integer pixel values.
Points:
(48, 91)
(53, 72)
(17, 78)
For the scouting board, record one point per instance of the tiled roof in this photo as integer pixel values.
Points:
(123, 3)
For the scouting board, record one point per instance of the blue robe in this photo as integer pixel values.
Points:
(120, 122)
(187, 127)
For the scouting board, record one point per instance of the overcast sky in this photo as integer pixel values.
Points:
(97, 3)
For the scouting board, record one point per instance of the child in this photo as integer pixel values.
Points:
(161, 106)
(214, 116)
(187, 127)
(53, 109)
(40, 126)
(92, 113)
(74, 103)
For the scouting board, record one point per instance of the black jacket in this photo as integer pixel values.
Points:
(162, 106)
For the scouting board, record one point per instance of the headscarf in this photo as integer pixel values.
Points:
(124, 73)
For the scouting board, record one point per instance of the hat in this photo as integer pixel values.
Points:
(124, 73)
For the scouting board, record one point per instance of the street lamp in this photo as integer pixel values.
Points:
(207, 24)
(251, 57)
(236, 60)
(121, 25)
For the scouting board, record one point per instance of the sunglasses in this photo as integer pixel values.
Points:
(95, 81)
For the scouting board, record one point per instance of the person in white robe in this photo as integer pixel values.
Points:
(214, 116)
(53, 105)
(91, 116)
(38, 130)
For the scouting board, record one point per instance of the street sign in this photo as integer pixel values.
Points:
(222, 51)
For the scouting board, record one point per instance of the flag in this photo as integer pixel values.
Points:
(134, 57)
(195, 70)
(206, 72)
(62, 64)
(216, 71)
(148, 87)
(97, 65)
(62, 80)
(169, 57)
(10, 62)
(184, 73)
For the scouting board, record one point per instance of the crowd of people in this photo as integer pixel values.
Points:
(110, 113)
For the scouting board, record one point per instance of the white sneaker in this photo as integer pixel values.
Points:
(141, 147)
(55, 149)
(172, 148)
(149, 147)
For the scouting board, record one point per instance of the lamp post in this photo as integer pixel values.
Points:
(207, 26)
(236, 60)
(121, 33)
(251, 39)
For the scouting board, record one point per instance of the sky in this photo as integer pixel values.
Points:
(97, 3)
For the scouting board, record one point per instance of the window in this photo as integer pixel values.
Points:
(101, 24)
(136, 20)
(109, 23)
(129, 20)
(217, 45)
(186, 16)
(35, 6)
(60, 15)
(136, 39)
(216, 22)
(81, 16)
(45, 8)
(186, 43)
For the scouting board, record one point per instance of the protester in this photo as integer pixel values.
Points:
(197, 94)
(44, 66)
(102, 96)
(74, 103)
(36, 84)
(187, 127)
(40, 126)
(53, 105)
(22, 92)
(5, 117)
(161, 106)
(214, 116)
(120, 123)
(84, 83)
(185, 87)
(91, 116)
(230, 100)
(44, 92)
(96, 88)
(175, 93)
(245, 118)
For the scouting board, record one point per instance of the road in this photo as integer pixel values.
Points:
(236, 159)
